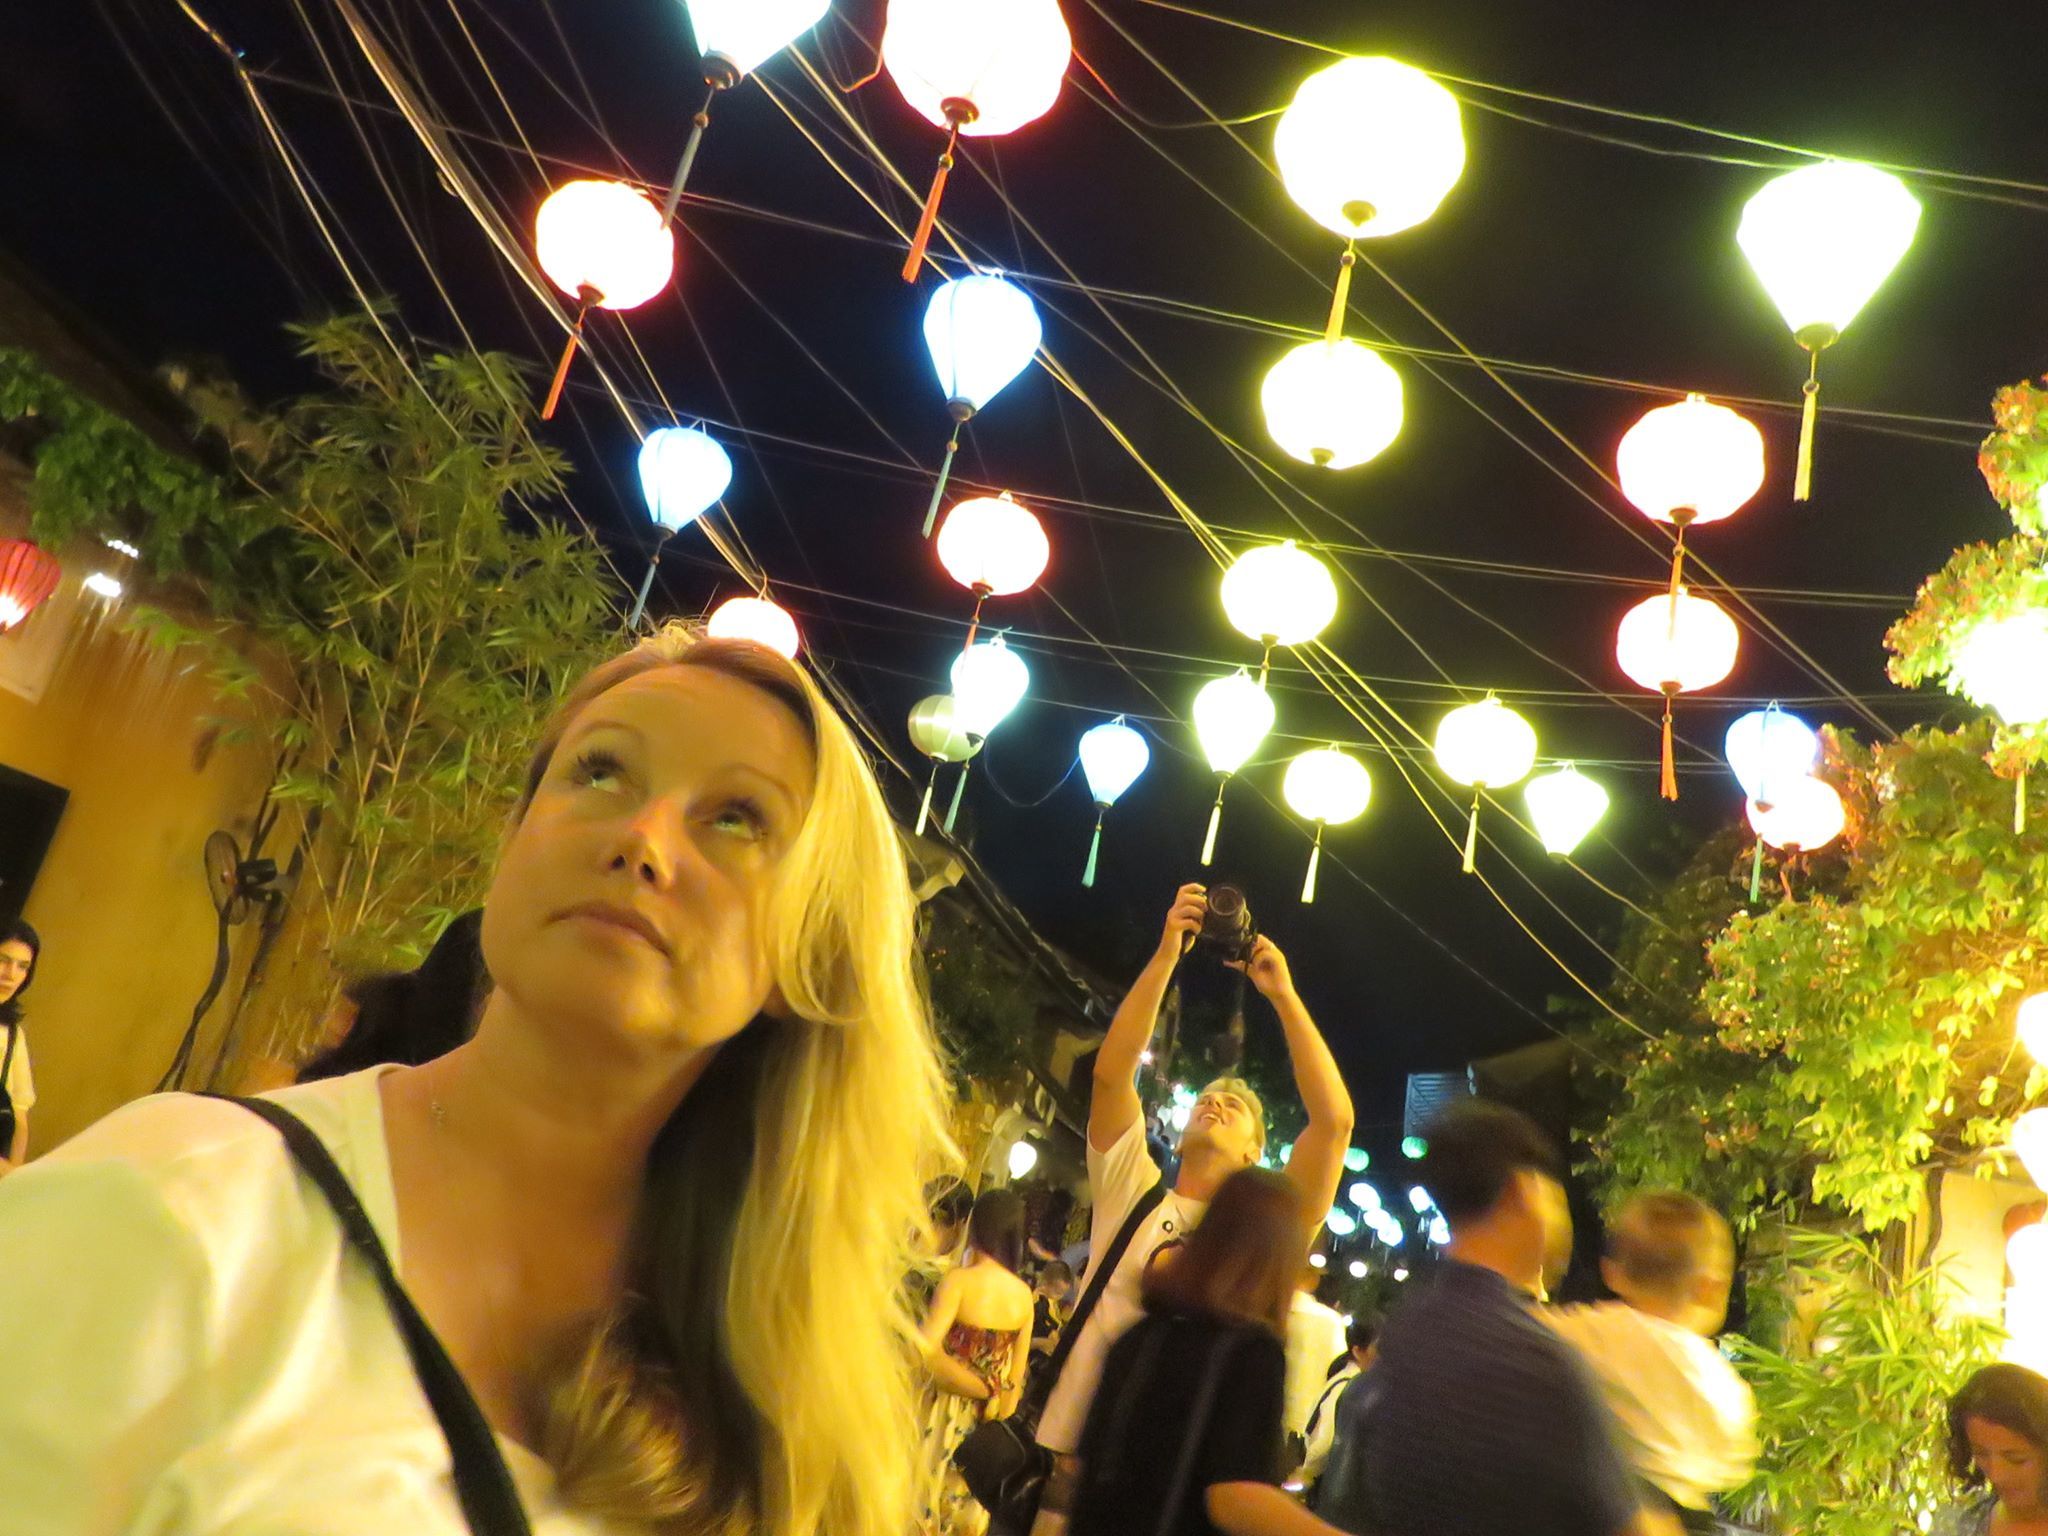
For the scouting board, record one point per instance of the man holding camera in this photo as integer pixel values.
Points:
(1226, 1131)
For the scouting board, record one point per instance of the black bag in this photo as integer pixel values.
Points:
(1001, 1461)
(483, 1484)
(6, 1098)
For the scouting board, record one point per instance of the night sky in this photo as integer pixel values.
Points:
(140, 185)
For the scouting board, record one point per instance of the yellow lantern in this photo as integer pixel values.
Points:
(1279, 594)
(604, 244)
(1329, 788)
(1806, 817)
(1487, 746)
(1232, 716)
(1688, 463)
(1823, 239)
(1565, 805)
(1334, 404)
(2030, 1141)
(758, 620)
(1676, 643)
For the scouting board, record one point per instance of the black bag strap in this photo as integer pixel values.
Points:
(6, 1066)
(483, 1483)
(1099, 1272)
(1198, 1429)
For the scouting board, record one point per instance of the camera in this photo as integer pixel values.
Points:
(1227, 928)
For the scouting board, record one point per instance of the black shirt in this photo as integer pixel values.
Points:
(1485, 1422)
(1142, 1418)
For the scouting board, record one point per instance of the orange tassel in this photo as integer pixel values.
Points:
(1668, 788)
(923, 238)
(547, 412)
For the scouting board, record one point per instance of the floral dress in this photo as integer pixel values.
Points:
(945, 1507)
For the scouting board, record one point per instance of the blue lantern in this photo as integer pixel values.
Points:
(981, 331)
(682, 475)
(1112, 757)
(1771, 750)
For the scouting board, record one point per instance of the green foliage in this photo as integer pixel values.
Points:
(983, 1002)
(1852, 1393)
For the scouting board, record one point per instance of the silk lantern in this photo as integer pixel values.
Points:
(935, 730)
(1807, 816)
(1328, 787)
(1333, 403)
(683, 473)
(2026, 1251)
(2002, 664)
(1768, 748)
(982, 331)
(1486, 746)
(1823, 239)
(1279, 594)
(1671, 644)
(2031, 1025)
(28, 574)
(1368, 147)
(978, 67)
(734, 38)
(994, 548)
(1565, 806)
(1688, 463)
(2030, 1141)
(605, 245)
(1112, 757)
(1232, 716)
(989, 681)
(756, 619)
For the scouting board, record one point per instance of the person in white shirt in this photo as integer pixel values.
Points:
(1226, 1131)
(1315, 1342)
(1320, 1434)
(657, 1210)
(1687, 1420)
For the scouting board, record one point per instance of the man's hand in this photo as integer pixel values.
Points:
(1190, 906)
(1267, 969)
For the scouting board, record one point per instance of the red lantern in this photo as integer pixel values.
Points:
(28, 574)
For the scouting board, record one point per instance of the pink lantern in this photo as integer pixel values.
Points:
(603, 244)
(1676, 643)
(28, 574)
(994, 548)
(758, 620)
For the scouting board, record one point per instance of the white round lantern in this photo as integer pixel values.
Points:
(683, 472)
(989, 680)
(2002, 664)
(603, 243)
(1370, 146)
(987, 66)
(982, 331)
(1279, 595)
(1329, 788)
(1334, 404)
(758, 620)
(1807, 815)
(1677, 645)
(1693, 462)
(1565, 805)
(992, 546)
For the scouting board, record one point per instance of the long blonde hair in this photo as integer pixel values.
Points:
(757, 1379)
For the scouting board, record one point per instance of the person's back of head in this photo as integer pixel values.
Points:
(1240, 1262)
(1056, 1280)
(995, 1226)
(1361, 1334)
(1673, 1256)
(412, 1017)
(1499, 1182)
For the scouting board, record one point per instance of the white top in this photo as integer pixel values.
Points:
(1322, 1424)
(1118, 1178)
(1688, 1422)
(1315, 1337)
(21, 1083)
(190, 1350)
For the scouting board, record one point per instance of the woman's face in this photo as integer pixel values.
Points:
(16, 959)
(2010, 1462)
(628, 903)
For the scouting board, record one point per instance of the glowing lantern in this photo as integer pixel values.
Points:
(1357, 1159)
(1364, 1196)
(2003, 665)
(683, 472)
(1676, 643)
(989, 680)
(1565, 805)
(1023, 1158)
(1112, 757)
(1368, 147)
(935, 730)
(1414, 1148)
(28, 574)
(1358, 1270)
(1690, 463)
(978, 67)
(2026, 1255)
(1329, 788)
(1767, 748)
(1232, 716)
(981, 331)
(2032, 1026)
(734, 38)
(603, 244)
(1340, 1222)
(1334, 404)
(2030, 1141)
(1487, 746)
(1808, 816)
(758, 620)
(994, 548)
(1823, 239)
(1279, 595)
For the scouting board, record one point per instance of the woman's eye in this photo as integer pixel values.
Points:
(742, 819)
(597, 769)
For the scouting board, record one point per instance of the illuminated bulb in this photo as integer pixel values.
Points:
(1318, 1261)
(123, 547)
(1357, 1159)
(605, 238)
(2002, 664)
(1808, 814)
(758, 620)
(1418, 1199)
(1334, 404)
(1400, 1274)
(1370, 146)
(1357, 1268)
(1693, 462)
(1414, 1148)
(1279, 594)
(1341, 1222)
(1023, 1158)
(1565, 806)
(100, 584)
(1362, 1195)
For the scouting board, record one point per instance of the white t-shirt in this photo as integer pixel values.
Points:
(1117, 1178)
(21, 1083)
(1687, 1420)
(1315, 1337)
(190, 1350)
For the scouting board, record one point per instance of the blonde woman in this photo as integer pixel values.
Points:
(657, 1210)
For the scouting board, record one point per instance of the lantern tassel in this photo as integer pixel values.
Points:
(1094, 849)
(1315, 859)
(1809, 415)
(1668, 785)
(2019, 803)
(697, 126)
(1756, 871)
(959, 792)
(1785, 879)
(931, 513)
(1472, 837)
(930, 216)
(1215, 821)
(1340, 301)
(585, 299)
(646, 586)
(924, 811)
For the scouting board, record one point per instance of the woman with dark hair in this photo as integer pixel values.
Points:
(977, 1340)
(1998, 1441)
(19, 947)
(410, 1017)
(1184, 1437)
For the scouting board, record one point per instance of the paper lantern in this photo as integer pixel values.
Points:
(1357, 1159)
(935, 730)
(2026, 1255)
(1807, 816)
(683, 472)
(758, 620)
(981, 331)
(994, 548)
(1768, 748)
(2002, 664)
(989, 681)
(1676, 643)
(1487, 746)
(974, 67)
(1232, 716)
(605, 245)
(1329, 788)
(1340, 1222)
(744, 34)
(1823, 239)
(1418, 1199)
(2030, 1141)
(2031, 1025)
(1112, 757)
(1370, 146)
(1334, 404)
(1023, 1158)
(1565, 805)
(28, 574)
(1279, 595)
(1692, 462)
(1364, 1196)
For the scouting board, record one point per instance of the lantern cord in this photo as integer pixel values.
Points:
(646, 586)
(974, 624)
(1809, 415)
(1667, 784)
(1215, 821)
(697, 126)
(1677, 569)
(1315, 859)
(924, 810)
(1472, 836)
(1094, 849)
(930, 216)
(583, 302)
(1756, 871)
(1266, 664)
(2019, 803)
(1333, 331)
(959, 793)
(931, 513)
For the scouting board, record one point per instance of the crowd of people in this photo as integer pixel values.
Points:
(617, 1215)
